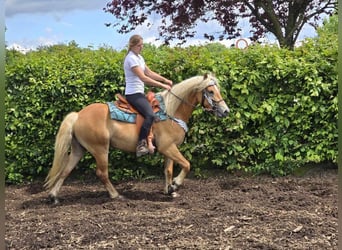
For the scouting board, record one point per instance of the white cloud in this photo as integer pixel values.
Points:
(48, 38)
(48, 41)
(14, 7)
(30, 45)
(20, 48)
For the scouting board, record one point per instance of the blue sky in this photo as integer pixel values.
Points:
(32, 23)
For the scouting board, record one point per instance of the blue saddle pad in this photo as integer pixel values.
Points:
(119, 115)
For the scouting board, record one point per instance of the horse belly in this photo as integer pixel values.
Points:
(124, 136)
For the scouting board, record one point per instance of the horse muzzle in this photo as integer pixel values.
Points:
(221, 110)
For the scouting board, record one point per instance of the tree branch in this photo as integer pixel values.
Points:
(273, 25)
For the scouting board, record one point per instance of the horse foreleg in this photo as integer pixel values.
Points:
(178, 181)
(173, 155)
(102, 173)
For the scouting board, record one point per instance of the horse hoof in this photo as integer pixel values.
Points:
(117, 197)
(53, 200)
(172, 188)
(121, 198)
(175, 195)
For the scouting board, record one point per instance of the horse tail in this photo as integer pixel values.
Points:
(62, 146)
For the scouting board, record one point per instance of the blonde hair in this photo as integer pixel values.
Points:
(133, 41)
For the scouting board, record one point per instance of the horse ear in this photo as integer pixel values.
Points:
(206, 75)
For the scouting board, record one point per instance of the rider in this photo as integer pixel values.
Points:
(137, 74)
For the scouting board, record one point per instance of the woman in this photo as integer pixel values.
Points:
(137, 74)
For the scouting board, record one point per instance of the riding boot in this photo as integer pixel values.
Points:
(142, 148)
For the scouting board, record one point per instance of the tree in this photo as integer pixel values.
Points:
(284, 19)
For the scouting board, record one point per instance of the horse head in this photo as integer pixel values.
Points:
(202, 90)
(211, 99)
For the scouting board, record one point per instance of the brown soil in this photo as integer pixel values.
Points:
(226, 212)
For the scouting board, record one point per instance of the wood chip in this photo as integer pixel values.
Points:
(297, 229)
(229, 229)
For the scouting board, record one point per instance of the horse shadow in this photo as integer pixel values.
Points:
(147, 196)
(94, 198)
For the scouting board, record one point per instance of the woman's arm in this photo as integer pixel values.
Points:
(156, 76)
(149, 80)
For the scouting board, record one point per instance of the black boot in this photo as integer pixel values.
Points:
(142, 148)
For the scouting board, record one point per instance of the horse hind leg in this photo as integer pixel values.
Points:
(170, 185)
(102, 173)
(168, 172)
(76, 153)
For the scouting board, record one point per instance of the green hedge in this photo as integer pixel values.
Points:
(283, 105)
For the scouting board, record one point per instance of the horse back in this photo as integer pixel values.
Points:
(94, 126)
(96, 114)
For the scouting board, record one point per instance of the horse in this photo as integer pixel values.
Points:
(92, 129)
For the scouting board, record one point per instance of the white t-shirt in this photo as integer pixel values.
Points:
(133, 83)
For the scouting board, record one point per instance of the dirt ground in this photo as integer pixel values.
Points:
(220, 212)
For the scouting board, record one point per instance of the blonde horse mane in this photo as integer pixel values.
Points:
(181, 90)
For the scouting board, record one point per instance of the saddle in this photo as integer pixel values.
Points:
(122, 104)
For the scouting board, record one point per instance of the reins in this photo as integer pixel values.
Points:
(181, 99)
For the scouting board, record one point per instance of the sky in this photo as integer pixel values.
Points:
(34, 23)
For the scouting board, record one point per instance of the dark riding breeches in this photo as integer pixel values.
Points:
(141, 104)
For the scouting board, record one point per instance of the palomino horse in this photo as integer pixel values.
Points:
(92, 129)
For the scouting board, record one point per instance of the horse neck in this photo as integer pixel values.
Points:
(185, 109)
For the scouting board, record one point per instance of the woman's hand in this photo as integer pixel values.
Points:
(167, 87)
(168, 82)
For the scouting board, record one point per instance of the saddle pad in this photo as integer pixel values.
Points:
(119, 115)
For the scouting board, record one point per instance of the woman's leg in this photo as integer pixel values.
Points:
(141, 104)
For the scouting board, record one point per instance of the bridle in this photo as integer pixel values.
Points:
(206, 95)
